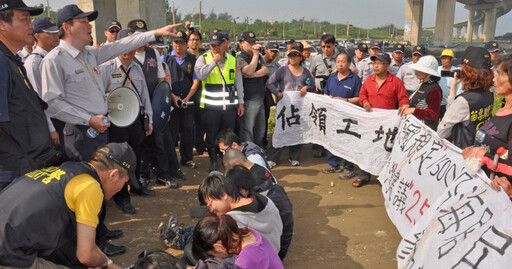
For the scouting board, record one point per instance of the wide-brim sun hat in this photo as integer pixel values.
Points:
(427, 64)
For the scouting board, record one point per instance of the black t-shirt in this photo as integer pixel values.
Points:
(263, 178)
(254, 88)
(496, 133)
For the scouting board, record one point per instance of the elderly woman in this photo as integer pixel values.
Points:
(291, 77)
(425, 102)
(495, 137)
(219, 236)
(466, 113)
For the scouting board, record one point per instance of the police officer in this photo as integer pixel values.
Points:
(184, 85)
(366, 65)
(222, 95)
(324, 64)
(398, 58)
(159, 147)
(46, 34)
(321, 68)
(360, 54)
(111, 32)
(124, 72)
(407, 74)
(60, 212)
(24, 133)
(74, 90)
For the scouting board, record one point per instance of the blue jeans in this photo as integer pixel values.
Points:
(252, 125)
(335, 162)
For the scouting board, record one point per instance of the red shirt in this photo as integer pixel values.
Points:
(391, 92)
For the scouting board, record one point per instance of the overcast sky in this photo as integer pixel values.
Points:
(362, 13)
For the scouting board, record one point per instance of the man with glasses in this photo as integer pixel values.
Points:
(112, 29)
(381, 90)
(321, 68)
(227, 139)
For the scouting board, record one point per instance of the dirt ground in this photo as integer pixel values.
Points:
(336, 225)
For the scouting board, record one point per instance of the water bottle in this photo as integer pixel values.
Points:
(91, 133)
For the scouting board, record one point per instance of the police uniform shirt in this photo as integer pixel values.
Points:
(203, 70)
(33, 66)
(319, 68)
(141, 56)
(394, 67)
(23, 53)
(71, 83)
(272, 67)
(113, 77)
(408, 76)
(365, 68)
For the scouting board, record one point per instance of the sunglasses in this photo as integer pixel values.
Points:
(112, 31)
(226, 149)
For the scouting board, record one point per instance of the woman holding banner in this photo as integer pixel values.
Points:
(425, 101)
(292, 77)
(493, 140)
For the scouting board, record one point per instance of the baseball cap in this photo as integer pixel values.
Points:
(420, 49)
(376, 44)
(216, 38)
(159, 42)
(73, 12)
(123, 155)
(291, 41)
(248, 37)
(113, 23)
(180, 36)
(214, 30)
(398, 47)
(492, 46)
(381, 56)
(19, 5)
(362, 47)
(125, 33)
(272, 46)
(225, 34)
(476, 57)
(296, 49)
(447, 52)
(45, 24)
(138, 25)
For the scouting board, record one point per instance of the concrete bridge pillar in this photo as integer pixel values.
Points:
(489, 27)
(444, 21)
(413, 21)
(471, 25)
(124, 11)
(106, 11)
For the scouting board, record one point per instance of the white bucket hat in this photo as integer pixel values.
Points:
(427, 64)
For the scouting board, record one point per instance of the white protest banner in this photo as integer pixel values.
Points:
(447, 217)
(346, 130)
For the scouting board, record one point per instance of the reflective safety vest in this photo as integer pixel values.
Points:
(215, 90)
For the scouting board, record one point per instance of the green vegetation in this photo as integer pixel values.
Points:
(300, 28)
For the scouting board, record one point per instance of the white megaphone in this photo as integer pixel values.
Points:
(123, 106)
